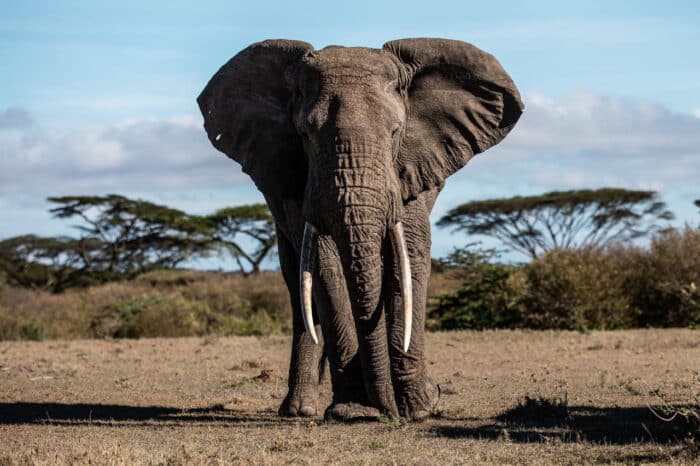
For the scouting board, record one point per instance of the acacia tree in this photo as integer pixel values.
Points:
(123, 237)
(234, 227)
(135, 235)
(140, 235)
(534, 225)
(54, 263)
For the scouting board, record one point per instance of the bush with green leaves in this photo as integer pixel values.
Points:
(575, 290)
(609, 287)
(487, 298)
(663, 282)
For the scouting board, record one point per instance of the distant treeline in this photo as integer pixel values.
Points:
(121, 238)
(584, 272)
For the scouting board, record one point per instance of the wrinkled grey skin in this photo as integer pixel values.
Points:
(354, 140)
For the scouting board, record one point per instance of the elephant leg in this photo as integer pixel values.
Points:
(416, 394)
(306, 358)
(350, 400)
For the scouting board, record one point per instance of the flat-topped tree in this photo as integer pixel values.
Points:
(54, 263)
(234, 226)
(136, 235)
(534, 225)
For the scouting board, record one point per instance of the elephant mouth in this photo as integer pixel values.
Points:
(309, 250)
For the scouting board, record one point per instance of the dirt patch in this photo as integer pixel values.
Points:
(507, 397)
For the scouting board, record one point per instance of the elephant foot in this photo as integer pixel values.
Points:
(351, 412)
(417, 401)
(300, 402)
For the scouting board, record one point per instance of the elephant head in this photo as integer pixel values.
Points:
(355, 133)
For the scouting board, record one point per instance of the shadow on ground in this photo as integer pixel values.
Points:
(536, 421)
(117, 415)
(529, 422)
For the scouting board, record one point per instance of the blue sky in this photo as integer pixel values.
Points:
(99, 97)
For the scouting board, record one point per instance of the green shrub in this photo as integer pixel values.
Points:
(663, 282)
(565, 289)
(575, 290)
(487, 298)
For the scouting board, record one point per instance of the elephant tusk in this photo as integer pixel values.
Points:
(306, 268)
(398, 241)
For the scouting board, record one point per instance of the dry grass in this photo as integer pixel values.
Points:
(507, 397)
(164, 304)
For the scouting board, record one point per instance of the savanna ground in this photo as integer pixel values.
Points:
(214, 400)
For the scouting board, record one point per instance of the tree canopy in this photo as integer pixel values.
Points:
(534, 225)
(135, 235)
(122, 237)
(235, 226)
(53, 263)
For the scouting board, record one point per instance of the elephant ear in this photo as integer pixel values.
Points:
(460, 103)
(246, 109)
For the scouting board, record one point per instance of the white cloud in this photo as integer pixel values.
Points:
(578, 141)
(696, 113)
(585, 139)
(147, 155)
(587, 121)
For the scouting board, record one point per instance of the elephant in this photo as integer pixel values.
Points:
(350, 147)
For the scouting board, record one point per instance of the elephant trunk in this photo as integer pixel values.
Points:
(309, 250)
(359, 243)
(353, 198)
